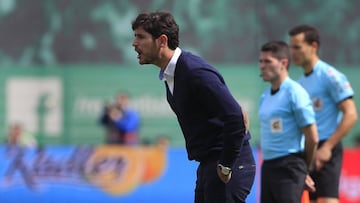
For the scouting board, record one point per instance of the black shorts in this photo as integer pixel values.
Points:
(283, 179)
(328, 178)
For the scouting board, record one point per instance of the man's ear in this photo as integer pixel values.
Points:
(285, 62)
(163, 40)
(315, 45)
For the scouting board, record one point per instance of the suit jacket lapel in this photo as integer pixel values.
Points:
(170, 97)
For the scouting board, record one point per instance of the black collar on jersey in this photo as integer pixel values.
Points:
(309, 73)
(274, 91)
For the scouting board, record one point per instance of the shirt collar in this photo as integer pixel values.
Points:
(317, 64)
(170, 68)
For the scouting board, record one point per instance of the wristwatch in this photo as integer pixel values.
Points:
(224, 170)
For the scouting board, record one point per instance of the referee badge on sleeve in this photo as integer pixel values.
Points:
(276, 125)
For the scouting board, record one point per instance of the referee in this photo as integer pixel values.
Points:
(286, 113)
(335, 110)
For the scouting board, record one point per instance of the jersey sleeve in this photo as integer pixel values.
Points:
(338, 85)
(302, 107)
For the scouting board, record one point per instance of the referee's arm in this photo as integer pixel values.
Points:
(311, 142)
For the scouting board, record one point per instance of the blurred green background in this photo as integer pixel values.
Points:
(61, 60)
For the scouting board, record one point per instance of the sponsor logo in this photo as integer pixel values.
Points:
(116, 170)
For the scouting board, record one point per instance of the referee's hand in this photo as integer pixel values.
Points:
(309, 184)
(223, 178)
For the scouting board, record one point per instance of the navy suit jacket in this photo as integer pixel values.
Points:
(210, 118)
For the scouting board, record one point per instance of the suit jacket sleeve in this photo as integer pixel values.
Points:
(215, 96)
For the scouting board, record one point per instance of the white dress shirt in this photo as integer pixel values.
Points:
(168, 73)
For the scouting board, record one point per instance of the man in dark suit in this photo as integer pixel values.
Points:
(211, 120)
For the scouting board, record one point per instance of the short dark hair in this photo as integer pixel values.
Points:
(158, 23)
(311, 34)
(279, 49)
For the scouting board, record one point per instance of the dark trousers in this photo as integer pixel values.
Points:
(209, 187)
(283, 179)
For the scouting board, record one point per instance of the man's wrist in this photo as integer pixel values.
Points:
(328, 145)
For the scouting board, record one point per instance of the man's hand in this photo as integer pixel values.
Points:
(223, 178)
(246, 120)
(309, 184)
(322, 156)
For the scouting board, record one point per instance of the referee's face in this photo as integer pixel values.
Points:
(271, 68)
(301, 51)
